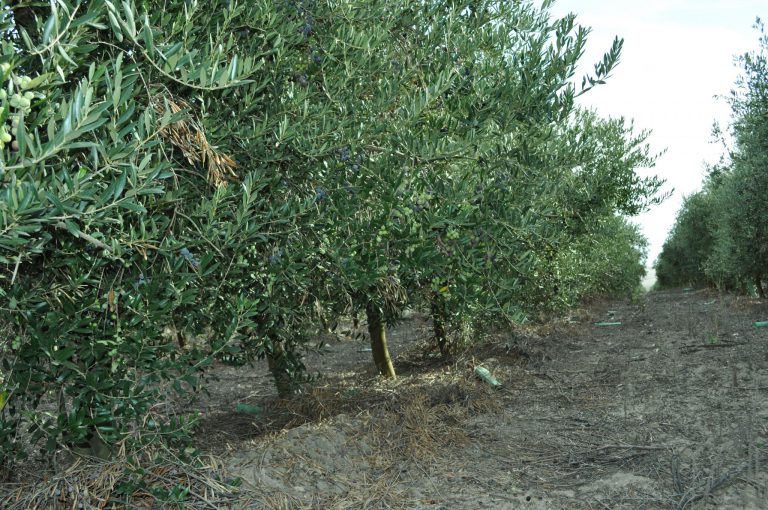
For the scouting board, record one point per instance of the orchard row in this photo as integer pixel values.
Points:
(191, 181)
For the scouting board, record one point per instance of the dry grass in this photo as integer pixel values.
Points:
(411, 421)
(92, 483)
(381, 493)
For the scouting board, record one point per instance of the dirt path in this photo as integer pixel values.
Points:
(668, 410)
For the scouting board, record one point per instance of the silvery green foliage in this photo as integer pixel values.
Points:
(221, 171)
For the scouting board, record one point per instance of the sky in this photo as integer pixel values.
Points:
(678, 56)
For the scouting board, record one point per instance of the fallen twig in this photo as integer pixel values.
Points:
(632, 447)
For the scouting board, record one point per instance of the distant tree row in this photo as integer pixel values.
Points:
(720, 237)
(184, 182)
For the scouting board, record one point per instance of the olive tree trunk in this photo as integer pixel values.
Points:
(279, 367)
(378, 332)
(439, 320)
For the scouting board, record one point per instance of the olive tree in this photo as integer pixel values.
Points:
(105, 151)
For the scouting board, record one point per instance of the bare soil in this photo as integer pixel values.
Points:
(663, 407)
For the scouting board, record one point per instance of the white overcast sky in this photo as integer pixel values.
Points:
(678, 55)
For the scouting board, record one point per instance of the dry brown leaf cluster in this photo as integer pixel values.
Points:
(188, 135)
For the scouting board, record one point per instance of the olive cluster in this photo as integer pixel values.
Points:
(315, 54)
(191, 259)
(15, 102)
(300, 8)
(345, 156)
